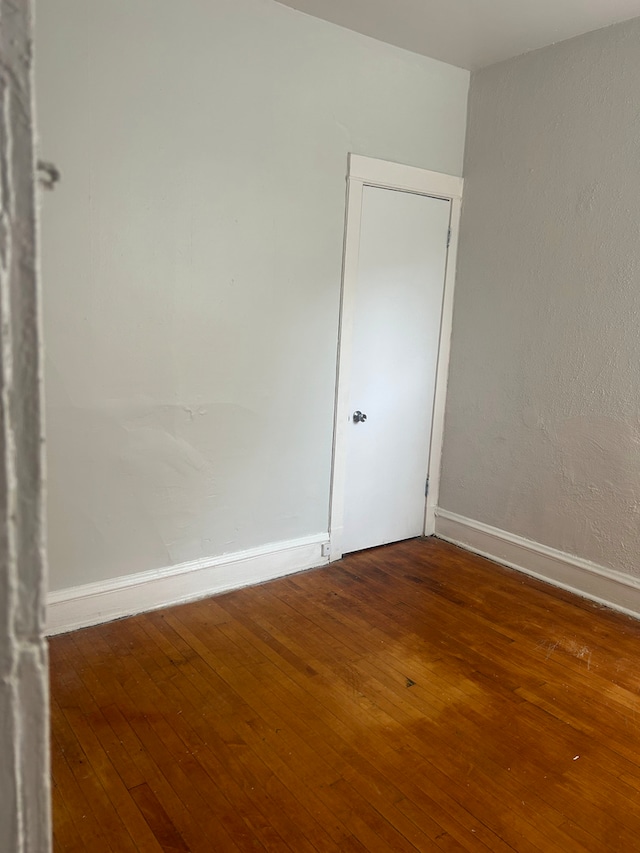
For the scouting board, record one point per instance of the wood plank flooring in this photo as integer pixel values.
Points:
(412, 697)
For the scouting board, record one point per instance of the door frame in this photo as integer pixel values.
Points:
(371, 172)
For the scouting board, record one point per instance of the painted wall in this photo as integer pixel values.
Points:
(542, 434)
(24, 715)
(192, 262)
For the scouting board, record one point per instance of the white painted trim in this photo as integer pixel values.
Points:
(589, 580)
(343, 379)
(396, 176)
(367, 171)
(94, 603)
(442, 371)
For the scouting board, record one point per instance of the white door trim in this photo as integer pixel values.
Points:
(367, 171)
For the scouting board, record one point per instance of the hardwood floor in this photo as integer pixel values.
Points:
(412, 697)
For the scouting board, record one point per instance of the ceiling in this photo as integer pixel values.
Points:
(470, 33)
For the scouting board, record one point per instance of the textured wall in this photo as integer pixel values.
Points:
(192, 261)
(24, 776)
(542, 434)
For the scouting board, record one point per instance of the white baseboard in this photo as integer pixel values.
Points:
(605, 586)
(93, 603)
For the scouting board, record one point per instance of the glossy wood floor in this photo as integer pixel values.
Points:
(412, 697)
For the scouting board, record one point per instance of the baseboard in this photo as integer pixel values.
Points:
(91, 604)
(589, 580)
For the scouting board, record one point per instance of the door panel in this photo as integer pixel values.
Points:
(398, 308)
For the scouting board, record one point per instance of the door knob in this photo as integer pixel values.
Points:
(359, 418)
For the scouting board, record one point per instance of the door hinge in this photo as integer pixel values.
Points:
(448, 238)
(426, 488)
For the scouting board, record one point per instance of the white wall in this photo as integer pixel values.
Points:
(542, 433)
(192, 262)
(24, 715)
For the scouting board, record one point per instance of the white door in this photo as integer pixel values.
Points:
(396, 332)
